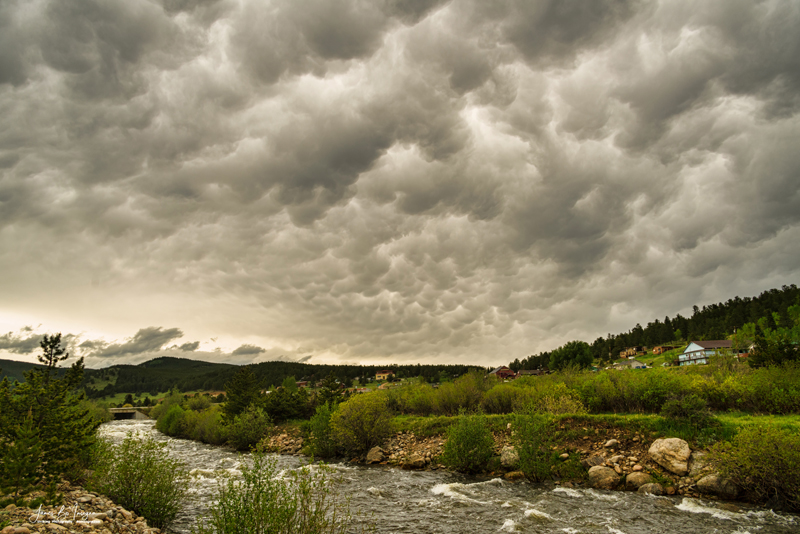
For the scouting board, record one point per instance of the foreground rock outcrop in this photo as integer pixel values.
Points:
(672, 454)
(80, 512)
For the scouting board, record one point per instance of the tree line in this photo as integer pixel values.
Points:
(715, 321)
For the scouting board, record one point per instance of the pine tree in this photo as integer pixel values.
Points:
(21, 463)
(243, 390)
(65, 431)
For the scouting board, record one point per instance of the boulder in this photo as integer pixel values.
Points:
(603, 477)
(509, 457)
(375, 455)
(652, 488)
(672, 454)
(716, 485)
(636, 480)
(592, 461)
(414, 461)
(611, 444)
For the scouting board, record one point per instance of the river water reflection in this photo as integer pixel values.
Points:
(422, 502)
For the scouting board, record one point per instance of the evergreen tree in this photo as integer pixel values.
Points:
(243, 390)
(21, 464)
(64, 431)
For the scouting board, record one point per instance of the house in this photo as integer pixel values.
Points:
(700, 351)
(661, 349)
(503, 373)
(632, 352)
(302, 384)
(383, 375)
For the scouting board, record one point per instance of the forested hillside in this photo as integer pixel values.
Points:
(161, 374)
(714, 321)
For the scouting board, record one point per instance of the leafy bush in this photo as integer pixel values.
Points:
(248, 428)
(321, 442)
(173, 398)
(362, 422)
(560, 401)
(502, 398)
(198, 403)
(171, 423)
(303, 502)
(140, 476)
(205, 426)
(691, 409)
(533, 438)
(469, 445)
(764, 461)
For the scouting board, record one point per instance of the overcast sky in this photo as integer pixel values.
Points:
(388, 181)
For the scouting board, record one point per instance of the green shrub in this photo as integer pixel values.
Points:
(173, 398)
(764, 461)
(321, 442)
(139, 475)
(171, 423)
(198, 403)
(691, 409)
(262, 502)
(362, 422)
(248, 428)
(205, 426)
(503, 398)
(469, 445)
(533, 440)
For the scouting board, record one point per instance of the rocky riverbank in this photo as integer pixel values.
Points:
(79, 512)
(614, 459)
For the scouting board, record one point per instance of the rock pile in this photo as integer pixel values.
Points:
(289, 442)
(80, 512)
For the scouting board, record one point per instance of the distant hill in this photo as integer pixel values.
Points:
(163, 373)
(15, 370)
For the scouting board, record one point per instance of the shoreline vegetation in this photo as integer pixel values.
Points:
(559, 428)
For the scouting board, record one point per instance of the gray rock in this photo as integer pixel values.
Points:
(603, 477)
(697, 464)
(616, 459)
(636, 480)
(716, 485)
(652, 488)
(375, 455)
(592, 461)
(672, 454)
(611, 444)
(509, 457)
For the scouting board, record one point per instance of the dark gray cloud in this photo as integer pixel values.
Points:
(397, 179)
(146, 340)
(19, 343)
(247, 350)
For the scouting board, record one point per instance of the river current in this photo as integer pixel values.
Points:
(422, 502)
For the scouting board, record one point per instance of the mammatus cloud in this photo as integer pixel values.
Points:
(392, 180)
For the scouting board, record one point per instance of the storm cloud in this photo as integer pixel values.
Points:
(395, 180)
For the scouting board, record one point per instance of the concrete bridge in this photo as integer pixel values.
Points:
(127, 413)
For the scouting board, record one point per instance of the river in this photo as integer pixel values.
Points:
(422, 502)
